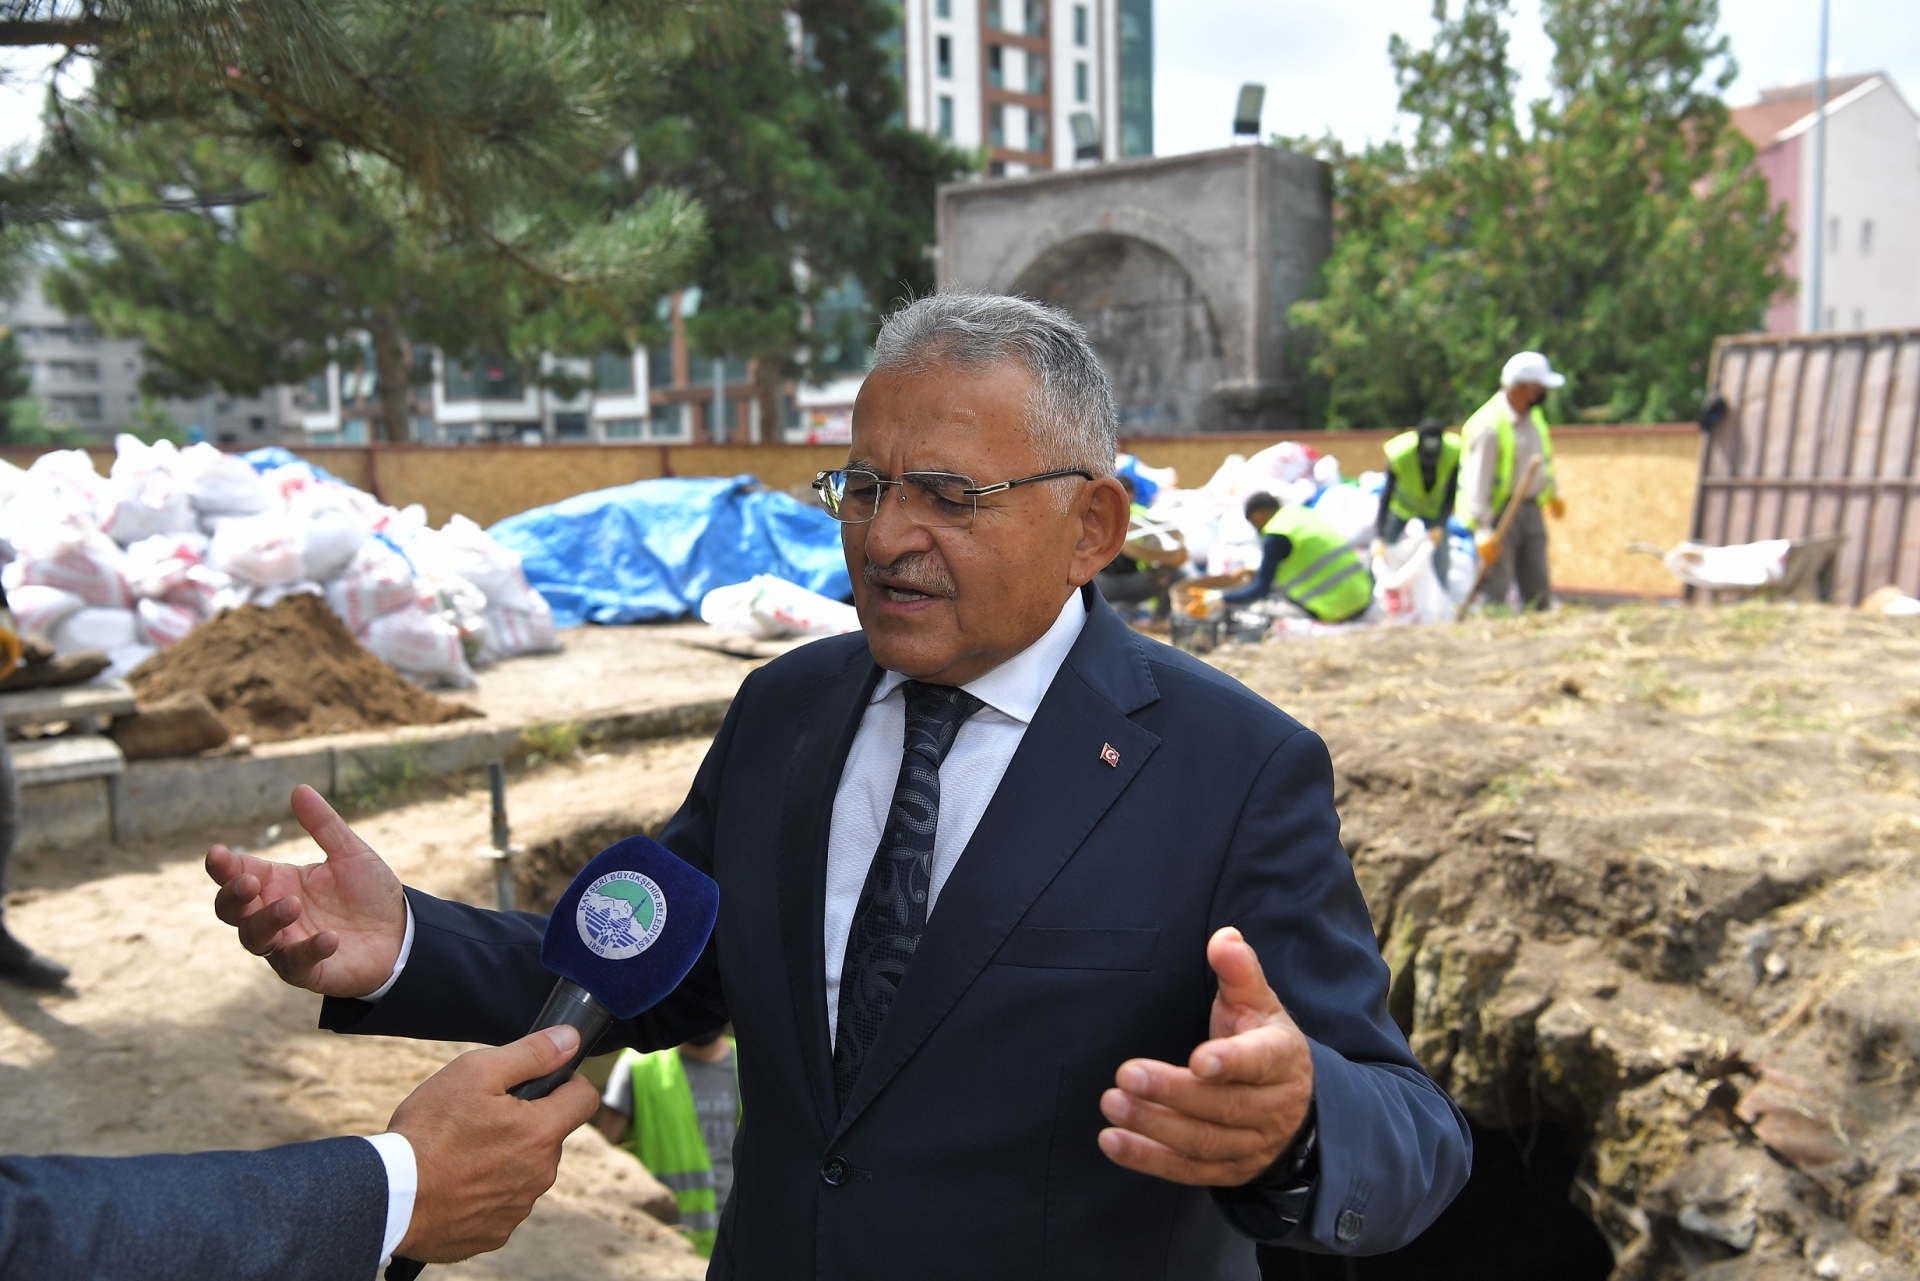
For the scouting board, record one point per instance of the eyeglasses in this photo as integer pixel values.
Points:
(932, 499)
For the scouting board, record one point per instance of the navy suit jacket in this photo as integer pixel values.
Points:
(305, 1212)
(1070, 936)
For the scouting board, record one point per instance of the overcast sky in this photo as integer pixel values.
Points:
(1325, 64)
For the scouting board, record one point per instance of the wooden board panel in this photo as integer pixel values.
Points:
(1823, 436)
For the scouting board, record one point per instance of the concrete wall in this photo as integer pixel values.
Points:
(1181, 268)
(1622, 484)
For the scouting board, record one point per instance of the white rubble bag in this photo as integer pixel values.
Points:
(1352, 511)
(84, 562)
(772, 608)
(221, 484)
(377, 581)
(95, 627)
(1743, 565)
(424, 645)
(161, 624)
(38, 610)
(261, 551)
(1405, 587)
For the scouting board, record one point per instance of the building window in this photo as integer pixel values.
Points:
(78, 371)
(1866, 237)
(946, 117)
(673, 422)
(996, 61)
(613, 372)
(1036, 73)
(660, 366)
(621, 428)
(82, 409)
(1036, 131)
(943, 57)
(1080, 26)
(1036, 17)
(997, 169)
(479, 380)
(1079, 82)
(256, 423)
(996, 125)
(569, 426)
(353, 431)
(1136, 77)
(943, 8)
(993, 15)
(423, 427)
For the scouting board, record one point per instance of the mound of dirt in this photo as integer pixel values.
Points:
(292, 671)
(1651, 876)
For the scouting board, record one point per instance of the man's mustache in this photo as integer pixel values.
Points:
(920, 571)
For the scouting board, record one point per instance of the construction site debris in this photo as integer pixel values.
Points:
(769, 608)
(41, 668)
(1651, 876)
(290, 671)
(183, 723)
(654, 549)
(135, 561)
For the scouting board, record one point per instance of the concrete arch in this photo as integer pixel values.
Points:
(1150, 322)
(1186, 265)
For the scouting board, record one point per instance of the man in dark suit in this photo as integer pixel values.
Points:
(459, 1167)
(1042, 951)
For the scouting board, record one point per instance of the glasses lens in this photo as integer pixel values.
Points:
(939, 499)
(850, 496)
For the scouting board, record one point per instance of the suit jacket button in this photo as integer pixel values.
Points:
(834, 1171)
(1349, 1225)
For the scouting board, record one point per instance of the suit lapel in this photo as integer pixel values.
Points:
(829, 718)
(1057, 787)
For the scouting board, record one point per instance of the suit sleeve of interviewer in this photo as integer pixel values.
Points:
(1040, 947)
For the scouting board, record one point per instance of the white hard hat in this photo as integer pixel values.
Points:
(1531, 367)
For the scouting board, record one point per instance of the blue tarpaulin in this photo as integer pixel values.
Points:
(268, 457)
(652, 549)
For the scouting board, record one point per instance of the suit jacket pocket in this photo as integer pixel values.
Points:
(1046, 948)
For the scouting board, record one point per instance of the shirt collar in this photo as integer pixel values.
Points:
(1016, 687)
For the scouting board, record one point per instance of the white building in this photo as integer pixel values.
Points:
(1039, 84)
(92, 384)
(1871, 266)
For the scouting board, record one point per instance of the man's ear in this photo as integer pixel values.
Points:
(1104, 512)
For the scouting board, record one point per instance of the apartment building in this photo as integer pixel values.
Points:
(1039, 85)
(1870, 264)
(91, 383)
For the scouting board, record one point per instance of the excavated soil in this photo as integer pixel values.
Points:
(291, 671)
(1649, 879)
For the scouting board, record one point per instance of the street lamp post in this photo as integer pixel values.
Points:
(1819, 182)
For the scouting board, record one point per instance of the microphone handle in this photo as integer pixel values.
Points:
(574, 1006)
(568, 1003)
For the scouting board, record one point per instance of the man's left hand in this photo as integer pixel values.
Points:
(1229, 1114)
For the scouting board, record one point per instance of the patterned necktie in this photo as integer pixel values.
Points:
(892, 911)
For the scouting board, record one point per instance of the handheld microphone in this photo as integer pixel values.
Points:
(620, 939)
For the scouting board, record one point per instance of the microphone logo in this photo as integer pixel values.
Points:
(621, 915)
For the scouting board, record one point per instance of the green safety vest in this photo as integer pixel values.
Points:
(665, 1135)
(1412, 500)
(1497, 416)
(1322, 573)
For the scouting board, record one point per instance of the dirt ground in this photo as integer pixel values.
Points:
(1648, 876)
(177, 1040)
(599, 668)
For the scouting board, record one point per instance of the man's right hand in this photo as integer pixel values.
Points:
(333, 927)
(1488, 544)
(482, 1156)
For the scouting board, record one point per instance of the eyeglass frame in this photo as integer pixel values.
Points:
(973, 492)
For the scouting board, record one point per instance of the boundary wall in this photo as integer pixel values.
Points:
(1622, 484)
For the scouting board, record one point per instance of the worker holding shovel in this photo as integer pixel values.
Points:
(1507, 438)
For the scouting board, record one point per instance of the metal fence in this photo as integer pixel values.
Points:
(1822, 437)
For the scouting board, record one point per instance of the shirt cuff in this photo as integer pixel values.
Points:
(403, 1181)
(400, 962)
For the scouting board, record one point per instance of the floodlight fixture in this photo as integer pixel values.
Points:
(1246, 114)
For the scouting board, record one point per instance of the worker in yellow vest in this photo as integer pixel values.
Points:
(1498, 442)
(1307, 559)
(1423, 477)
(677, 1110)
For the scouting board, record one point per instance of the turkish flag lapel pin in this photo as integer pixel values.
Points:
(1110, 756)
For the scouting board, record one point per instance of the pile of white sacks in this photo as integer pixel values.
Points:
(135, 560)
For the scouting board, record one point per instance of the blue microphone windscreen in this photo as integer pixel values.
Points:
(631, 925)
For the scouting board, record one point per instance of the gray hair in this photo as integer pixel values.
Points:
(1070, 419)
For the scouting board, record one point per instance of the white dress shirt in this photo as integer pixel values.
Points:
(968, 777)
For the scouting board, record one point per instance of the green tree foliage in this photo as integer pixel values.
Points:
(15, 380)
(793, 144)
(1620, 232)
